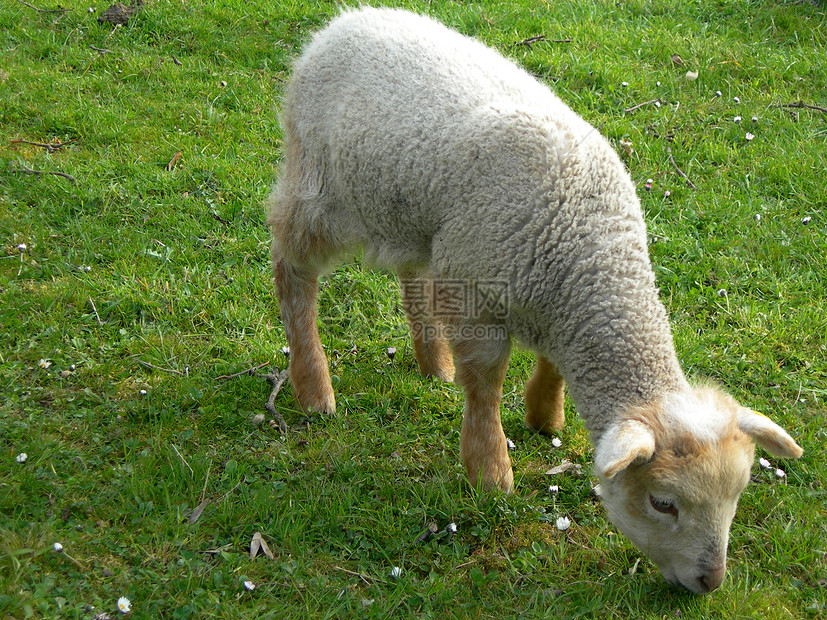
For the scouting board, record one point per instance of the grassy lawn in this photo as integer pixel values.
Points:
(145, 279)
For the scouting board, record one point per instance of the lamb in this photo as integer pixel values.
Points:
(506, 216)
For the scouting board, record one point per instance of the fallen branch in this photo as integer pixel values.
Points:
(530, 41)
(640, 105)
(801, 104)
(43, 10)
(678, 170)
(102, 50)
(25, 170)
(51, 148)
(276, 380)
(249, 371)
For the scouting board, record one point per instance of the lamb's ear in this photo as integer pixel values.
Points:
(621, 445)
(768, 434)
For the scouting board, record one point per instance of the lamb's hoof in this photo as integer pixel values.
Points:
(544, 424)
(506, 483)
(324, 403)
(548, 429)
(503, 482)
(498, 479)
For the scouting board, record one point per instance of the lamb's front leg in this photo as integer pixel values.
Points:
(297, 290)
(481, 367)
(544, 398)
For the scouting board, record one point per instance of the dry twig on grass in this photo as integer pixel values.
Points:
(276, 379)
(640, 105)
(801, 104)
(677, 169)
(51, 148)
(39, 10)
(530, 41)
(25, 170)
(249, 371)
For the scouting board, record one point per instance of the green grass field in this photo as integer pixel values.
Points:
(145, 278)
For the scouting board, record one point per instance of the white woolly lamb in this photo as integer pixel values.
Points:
(505, 215)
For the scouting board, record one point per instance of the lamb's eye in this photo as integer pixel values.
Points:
(664, 505)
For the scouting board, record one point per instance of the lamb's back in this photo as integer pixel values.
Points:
(415, 125)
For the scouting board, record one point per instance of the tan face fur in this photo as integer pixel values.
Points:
(671, 475)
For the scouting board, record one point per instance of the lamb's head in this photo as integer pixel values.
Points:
(671, 475)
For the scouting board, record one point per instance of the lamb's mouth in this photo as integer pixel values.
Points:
(696, 586)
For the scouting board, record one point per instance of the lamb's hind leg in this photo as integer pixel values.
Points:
(481, 367)
(299, 242)
(433, 354)
(544, 398)
(297, 289)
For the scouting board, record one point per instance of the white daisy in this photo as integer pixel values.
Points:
(124, 605)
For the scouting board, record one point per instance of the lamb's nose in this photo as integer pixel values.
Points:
(712, 579)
